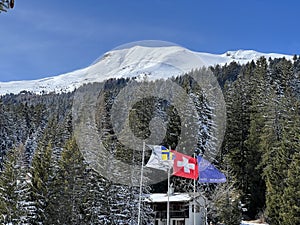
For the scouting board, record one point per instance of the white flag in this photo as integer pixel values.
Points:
(157, 157)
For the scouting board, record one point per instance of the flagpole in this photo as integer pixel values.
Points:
(141, 184)
(168, 202)
(194, 193)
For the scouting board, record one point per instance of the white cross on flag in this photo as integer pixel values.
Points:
(185, 166)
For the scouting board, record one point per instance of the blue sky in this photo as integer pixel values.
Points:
(46, 38)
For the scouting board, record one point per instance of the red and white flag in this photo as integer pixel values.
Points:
(185, 166)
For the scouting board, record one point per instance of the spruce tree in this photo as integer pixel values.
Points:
(254, 195)
(289, 206)
(227, 204)
(235, 148)
(42, 176)
(279, 141)
(95, 207)
(15, 204)
(291, 195)
(69, 188)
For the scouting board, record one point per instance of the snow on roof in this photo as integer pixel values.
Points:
(163, 197)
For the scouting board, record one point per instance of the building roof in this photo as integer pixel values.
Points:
(163, 197)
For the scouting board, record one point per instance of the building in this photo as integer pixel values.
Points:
(181, 208)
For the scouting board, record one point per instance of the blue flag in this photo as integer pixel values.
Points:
(208, 173)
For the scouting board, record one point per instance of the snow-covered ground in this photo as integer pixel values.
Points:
(256, 222)
(155, 62)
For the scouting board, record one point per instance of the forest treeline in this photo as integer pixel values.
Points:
(261, 146)
(46, 180)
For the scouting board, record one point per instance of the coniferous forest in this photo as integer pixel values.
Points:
(45, 179)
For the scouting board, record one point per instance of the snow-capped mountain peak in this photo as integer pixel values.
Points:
(156, 62)
(250, 55)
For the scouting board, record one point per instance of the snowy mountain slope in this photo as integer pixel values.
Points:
(156, 62)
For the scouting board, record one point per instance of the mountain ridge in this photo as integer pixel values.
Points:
(155, 62)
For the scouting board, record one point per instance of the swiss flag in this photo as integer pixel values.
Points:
(185, 166)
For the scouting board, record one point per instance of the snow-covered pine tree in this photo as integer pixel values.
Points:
(253, 196)
(6, 4)
(95, 204)
(42, 175)
(279, 137)
(69, 189)
(226, 199)
(238, 100)
(15, 204)
(121, 203)
(197, 95)
(291, 206)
